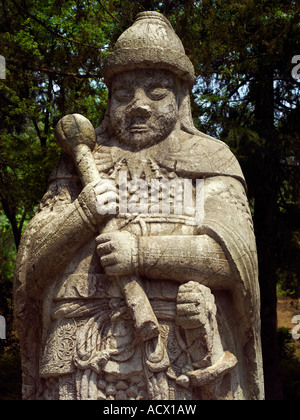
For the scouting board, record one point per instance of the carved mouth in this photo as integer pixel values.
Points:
(139, 128)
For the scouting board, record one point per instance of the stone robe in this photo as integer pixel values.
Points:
(76, 333)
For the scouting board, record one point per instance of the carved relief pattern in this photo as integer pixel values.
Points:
(59, 349)
(99, 358)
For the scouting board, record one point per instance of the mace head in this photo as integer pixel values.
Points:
(74, 130)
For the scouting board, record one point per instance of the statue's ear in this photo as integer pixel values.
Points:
(185, 113)
(104, 131)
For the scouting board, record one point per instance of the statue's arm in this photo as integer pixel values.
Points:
(184, 258)
(217, 254)
(213, 255)
(58, 230)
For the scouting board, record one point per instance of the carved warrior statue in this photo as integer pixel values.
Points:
(121, 304)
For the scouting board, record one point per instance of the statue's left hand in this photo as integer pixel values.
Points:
(118, 252)
(194, 305)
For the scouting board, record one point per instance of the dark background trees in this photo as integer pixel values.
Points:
(245, 95)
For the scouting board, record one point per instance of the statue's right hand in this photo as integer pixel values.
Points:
(99, 200)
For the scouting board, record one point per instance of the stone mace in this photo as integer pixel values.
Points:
(76, 136)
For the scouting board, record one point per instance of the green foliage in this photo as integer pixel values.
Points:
(10, 376)
(61, 46)
(288, 283)
(290, 365)
(10, 369)
(7, 249)
(287, 348)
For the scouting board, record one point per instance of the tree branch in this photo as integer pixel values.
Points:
(107, 11)
(51, 30)
(53, 71)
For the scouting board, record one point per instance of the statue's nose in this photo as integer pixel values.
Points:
(139, 106)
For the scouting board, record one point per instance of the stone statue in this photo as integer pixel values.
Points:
(121, 292)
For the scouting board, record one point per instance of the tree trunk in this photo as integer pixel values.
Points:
(265, 221)
(267, 276)
(11, 215)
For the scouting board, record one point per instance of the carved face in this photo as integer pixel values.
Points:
(143, 107)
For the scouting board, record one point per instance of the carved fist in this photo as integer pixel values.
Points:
(118, 252)
(98, 200)
(195, 303)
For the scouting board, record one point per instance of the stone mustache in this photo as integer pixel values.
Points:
(141, 304)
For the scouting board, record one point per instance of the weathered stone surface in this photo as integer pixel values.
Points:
(137, 277)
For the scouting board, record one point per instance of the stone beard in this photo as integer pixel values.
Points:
(119, 305)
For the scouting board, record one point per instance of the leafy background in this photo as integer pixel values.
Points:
(244, 94)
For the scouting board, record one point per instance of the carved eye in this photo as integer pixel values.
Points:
(157, 93)
(123, 95)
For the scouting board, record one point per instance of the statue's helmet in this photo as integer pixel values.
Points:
(150, 43)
